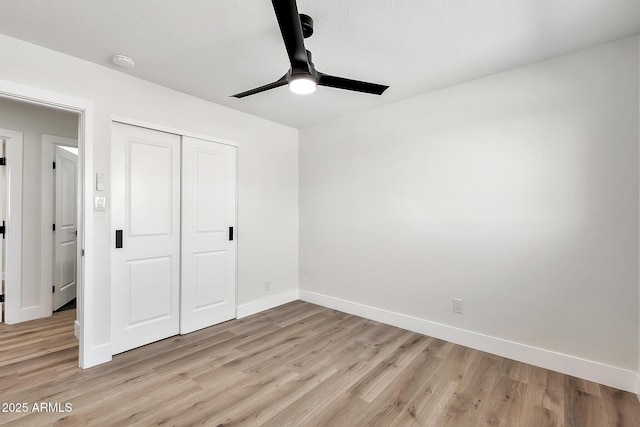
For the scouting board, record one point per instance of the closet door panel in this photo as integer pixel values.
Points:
(145, 270)
(208, 285)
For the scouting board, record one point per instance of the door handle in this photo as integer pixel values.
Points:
(118, 239)
(230, 233)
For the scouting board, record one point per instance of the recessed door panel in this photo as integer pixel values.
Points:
(210, 189)
(209, 269)
(149, 283)
(67, 268)
(150, 177)
(67, 168)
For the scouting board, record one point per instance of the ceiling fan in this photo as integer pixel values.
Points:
(302, 76)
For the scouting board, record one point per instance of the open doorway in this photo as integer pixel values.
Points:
(90, 352)
(27, 298)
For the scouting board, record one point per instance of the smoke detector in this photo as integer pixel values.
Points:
(123, 61)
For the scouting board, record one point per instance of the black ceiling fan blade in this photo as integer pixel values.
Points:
(291, 30)
(281, 82)
(348, 84)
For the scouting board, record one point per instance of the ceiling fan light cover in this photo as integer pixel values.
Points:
(302, 84)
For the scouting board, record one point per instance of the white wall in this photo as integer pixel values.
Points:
(33, 121)
(517, 193)
(638, 370)
(268, 182)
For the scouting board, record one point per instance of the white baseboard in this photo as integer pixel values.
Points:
(638, 385)
(76, 329)
(267, 303)
(586, 369)
(98, 355)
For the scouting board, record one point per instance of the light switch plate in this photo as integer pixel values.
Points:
(100, 182)
(100, 203)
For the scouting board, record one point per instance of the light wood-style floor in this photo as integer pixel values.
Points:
(295, 365)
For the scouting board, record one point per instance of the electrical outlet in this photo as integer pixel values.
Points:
(457, 305)
(267, 286)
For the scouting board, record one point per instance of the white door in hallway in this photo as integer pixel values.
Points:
(208, 285)
(145, 197)
(2, 204)
(65, 232)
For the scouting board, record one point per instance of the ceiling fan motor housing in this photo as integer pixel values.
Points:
(307, 25)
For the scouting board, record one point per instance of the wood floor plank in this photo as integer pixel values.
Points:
(528, 409)
(311, 404)
(472, 394)
(377, 380)
(554, 393)
(500, 406)
(262, 407)
(333, 346)
(345, 411)
(296, 365)
(581, 407)
(395, 398)
(622, 407)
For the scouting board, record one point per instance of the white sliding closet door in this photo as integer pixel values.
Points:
(145, 194)
(208, 287)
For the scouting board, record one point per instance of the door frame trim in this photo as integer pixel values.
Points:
(90, 353)
(13, 242)
(167, 129)
(46, 238)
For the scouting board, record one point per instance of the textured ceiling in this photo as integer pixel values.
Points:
(215, 48)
